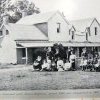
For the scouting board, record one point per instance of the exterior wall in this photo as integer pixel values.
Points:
(80, 38)
(8, 51)
(93, 37)
(52, 29)
(43, 27)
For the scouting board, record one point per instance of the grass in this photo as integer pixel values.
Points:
(25, 79)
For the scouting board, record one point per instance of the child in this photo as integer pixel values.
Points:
(49, 63)
(60, 64)
(44, 65)
(37, 63)
(67, 65)
(90, 63)
(84, 64)
(96, 64)
(53, 66)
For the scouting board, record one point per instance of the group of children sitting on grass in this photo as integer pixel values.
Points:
(57, 64)
(51, 65)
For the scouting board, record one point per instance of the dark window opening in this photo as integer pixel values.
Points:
(58, 27)
(89, 30)
(23, 52)
(95, 30)
(96, 49)
(87, 36)
(0, 33)
(69, 32)
(72, 35)
(7, 32)
(80, 51)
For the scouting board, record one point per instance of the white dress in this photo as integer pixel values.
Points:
(67, 66)
(60, 65)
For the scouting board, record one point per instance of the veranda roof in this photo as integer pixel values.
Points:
(65, 44)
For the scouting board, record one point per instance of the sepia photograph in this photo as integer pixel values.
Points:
(50, 47)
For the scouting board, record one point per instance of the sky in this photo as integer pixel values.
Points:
(72, 9)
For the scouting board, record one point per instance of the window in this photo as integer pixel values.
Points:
(72, 35)
(69, 32)
(0, 33)
(7, 32)
(23, 52)
(95, 30)
(58, 27)
(89, 30)
(87, 36)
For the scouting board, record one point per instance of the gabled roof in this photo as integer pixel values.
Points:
(25, 32)
(82, 24)
(39, 18)
(36, 18)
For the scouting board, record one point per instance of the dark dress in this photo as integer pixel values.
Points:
(69, 53)
(38, 66)
(50, 55)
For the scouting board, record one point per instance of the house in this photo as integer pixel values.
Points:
(35, 31)
(90, 28)
(19, 41)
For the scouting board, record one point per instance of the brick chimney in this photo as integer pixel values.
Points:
(24, 13)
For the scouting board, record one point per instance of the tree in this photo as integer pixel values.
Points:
(15, 9)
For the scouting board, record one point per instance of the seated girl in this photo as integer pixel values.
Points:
(37, 63)
(67, 65)
(46, 66)
(96, 64)
(60, 64)
(53, 66)
(90, 63)
(84, 64)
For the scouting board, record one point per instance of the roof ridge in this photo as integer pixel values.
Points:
(89, 18)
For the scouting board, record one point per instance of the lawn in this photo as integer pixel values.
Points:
(24, 78)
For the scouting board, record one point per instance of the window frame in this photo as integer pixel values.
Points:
(7, 32)
(72, 35)
(86, 36)
(58, 27)
(95, 30)
(1, 33)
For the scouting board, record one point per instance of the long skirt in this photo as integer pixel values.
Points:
(73, 65)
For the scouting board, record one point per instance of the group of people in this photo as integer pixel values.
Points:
(58, 61)
(91, 62)
(54, 61)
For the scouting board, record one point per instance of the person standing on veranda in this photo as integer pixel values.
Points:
(72, 60)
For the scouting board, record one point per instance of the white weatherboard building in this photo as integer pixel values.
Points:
(19, 40)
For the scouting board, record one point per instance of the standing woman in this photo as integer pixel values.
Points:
(72, 60)
(68, 53)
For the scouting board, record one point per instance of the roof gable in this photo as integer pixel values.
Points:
(36, 18)
(81, 25)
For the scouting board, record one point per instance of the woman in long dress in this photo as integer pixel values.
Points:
(72, 60)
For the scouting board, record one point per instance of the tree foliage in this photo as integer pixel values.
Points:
(15, 9)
